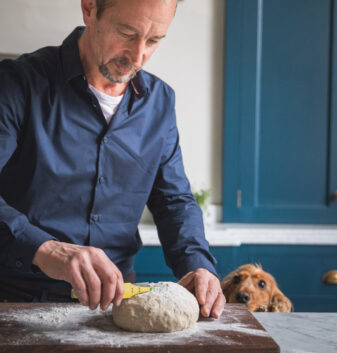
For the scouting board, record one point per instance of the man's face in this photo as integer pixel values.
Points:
(127, 34)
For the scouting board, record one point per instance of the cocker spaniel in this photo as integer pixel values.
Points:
(252, 286)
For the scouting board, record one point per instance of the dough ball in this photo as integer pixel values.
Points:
(168, 307)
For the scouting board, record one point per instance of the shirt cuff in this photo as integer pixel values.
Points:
(22, 249)
(193, 262)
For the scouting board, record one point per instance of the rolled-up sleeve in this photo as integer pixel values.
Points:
(176, 213)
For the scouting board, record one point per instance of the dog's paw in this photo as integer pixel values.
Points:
(280, 304)
(262, 308)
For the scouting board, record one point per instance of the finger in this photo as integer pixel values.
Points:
(93, 285)
(112, 281)
(218, 306)
(212, 292)
(108, 291)
(190, 287)
(201, 280)
(119, 290)
(77, 281)
(187, 280)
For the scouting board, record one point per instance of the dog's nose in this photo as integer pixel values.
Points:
(242, 297)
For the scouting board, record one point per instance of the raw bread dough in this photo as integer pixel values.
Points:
(168, 307)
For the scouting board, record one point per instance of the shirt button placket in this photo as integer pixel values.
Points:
(95, 218)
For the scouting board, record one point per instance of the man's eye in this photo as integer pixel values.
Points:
(126, 35)
(262, 284)
(152, 42)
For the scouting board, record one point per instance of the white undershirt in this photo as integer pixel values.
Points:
(108, 103)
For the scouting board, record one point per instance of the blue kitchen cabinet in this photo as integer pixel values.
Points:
(150, 264)
(297, 269)
(280, 112)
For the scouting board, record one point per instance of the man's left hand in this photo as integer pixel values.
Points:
(206, 287)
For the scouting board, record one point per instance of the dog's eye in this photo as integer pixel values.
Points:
(236, 279)
(262, 284)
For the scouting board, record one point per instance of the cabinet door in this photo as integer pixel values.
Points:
(280, 111)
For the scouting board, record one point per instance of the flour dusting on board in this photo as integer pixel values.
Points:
(76, 324)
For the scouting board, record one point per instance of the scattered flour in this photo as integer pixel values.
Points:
(76, 324)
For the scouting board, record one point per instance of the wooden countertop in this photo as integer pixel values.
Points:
(73, 328)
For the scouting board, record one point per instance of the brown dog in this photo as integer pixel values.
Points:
(250, 285)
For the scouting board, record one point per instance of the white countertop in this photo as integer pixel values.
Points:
(230, 234)
(301, 332)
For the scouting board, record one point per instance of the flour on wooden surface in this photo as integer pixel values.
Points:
(76, 324)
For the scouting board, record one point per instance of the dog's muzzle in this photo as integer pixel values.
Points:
(242, 297)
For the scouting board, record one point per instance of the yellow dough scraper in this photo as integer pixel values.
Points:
(129, 290)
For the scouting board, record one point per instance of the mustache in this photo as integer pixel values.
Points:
(124, 62)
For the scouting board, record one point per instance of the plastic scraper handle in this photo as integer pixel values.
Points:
(129, 290)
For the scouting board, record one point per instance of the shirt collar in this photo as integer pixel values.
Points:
(72, 65)
(138, 85)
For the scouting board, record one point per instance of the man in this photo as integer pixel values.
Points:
(86, 139)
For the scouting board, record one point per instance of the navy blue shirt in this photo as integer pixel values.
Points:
(67, 175)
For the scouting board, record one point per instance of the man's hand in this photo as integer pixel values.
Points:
(207, 290)
(95, 279)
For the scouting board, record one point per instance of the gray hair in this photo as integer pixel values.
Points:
(104, 4)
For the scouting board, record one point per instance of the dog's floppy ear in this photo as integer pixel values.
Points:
(280, 303)
(226, 284)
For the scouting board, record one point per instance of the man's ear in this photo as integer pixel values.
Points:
(89, 11)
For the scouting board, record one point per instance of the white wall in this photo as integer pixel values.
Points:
(190, 59)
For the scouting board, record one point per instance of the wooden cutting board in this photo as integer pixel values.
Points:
(74, 328)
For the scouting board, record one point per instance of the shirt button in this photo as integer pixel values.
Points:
(101, 180)
(18, 263)
(95, 218)
(105, 139)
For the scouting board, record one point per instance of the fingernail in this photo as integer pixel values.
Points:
(219, 313)
(206, 312)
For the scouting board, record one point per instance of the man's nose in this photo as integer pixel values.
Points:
(138, 53)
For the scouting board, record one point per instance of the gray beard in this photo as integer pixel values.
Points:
(104, 70)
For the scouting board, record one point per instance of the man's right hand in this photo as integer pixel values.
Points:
(95, 279)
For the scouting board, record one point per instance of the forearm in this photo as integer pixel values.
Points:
(181, 232)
